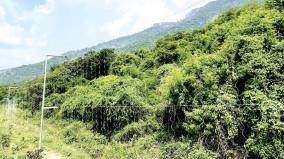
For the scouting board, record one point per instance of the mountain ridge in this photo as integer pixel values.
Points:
(145, 39)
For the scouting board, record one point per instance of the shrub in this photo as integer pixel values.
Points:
(3, 93)
(61, 78)
(5, 140)
(110, 103)
(181, 150)
(136, 130)
(126, 64)
(177, 150)
(3, 156)
(216, 125)
(277, 4)
(144, 147)
(36, 154)
(70, 136)
(199, 152)
(167, 55)
(266, 140)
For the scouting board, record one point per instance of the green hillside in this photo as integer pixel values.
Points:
(146, 39)
(215, 92)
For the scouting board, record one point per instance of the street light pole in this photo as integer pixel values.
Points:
(43, 99)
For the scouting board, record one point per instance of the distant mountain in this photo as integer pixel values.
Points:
(145, 39)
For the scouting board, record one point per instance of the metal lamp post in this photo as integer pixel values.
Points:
(43, 99)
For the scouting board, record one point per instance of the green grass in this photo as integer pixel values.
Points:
(70, 139)
(75, 140)
(20, 133)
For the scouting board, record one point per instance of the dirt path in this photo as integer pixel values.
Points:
(51, 155)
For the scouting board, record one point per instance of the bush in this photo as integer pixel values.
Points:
(166, 53)
(70, 136)
(3, 156)
(199, 152)
(126, 64)
(136, 130)
(216, 125)
(145, 147)
(3, 93)
(54, 100)
(5, 140)
(277, 4)
(181, 150)
(36, 154)
(177, 150)
(266, 140)
(110, 103)
(61, 78)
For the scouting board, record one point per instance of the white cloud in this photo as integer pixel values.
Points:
(18, 45)
(115, 28)
(180, 3)
(10, 35)
(140, 14)
(57, 26)
(18, 56)
(185, 6)
(136, 16)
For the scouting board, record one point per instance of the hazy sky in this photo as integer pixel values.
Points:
(29, 29)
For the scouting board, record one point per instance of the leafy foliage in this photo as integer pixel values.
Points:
(136, 130)
(180, 150)
(126, 64)
(5, 140)
(37, 154)
(111, 102)
(277, 4)
(61, 78)
(3, 93)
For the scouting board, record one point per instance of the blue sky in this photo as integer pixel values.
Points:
(29, 29)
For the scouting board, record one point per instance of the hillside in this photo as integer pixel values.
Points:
(197, 18)
(215, 92)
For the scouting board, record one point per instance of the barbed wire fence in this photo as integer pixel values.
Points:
(108, 120)
(10, 106)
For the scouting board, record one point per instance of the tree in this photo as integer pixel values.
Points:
(277, 4)
(125, 64)
(110, 103)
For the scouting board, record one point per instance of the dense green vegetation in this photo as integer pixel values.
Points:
(216, 92)
(277, 4)
(145, 39)
(3, 93)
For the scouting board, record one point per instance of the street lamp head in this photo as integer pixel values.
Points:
(49, 55)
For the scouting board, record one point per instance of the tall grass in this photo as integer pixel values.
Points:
(20, 134)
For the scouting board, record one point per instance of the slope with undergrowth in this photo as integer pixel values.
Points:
(216, 92)
(19, 134)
